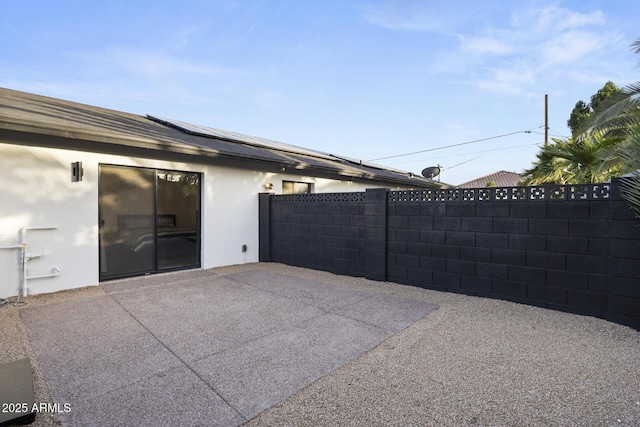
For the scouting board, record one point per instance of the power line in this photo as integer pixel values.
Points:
(452, 145)
(462, 163)
(542, 133)
(478, 152)
(473, 152)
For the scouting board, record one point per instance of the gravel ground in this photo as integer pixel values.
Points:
(472, 362)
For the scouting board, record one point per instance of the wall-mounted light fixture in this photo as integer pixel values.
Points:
(76, 171)
(268, 186)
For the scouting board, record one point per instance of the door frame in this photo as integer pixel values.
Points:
(155, 269)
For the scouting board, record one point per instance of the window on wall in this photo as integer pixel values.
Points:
(293, 187)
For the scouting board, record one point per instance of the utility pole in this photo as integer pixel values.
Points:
(546, 120)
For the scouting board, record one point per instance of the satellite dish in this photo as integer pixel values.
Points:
(431, 172)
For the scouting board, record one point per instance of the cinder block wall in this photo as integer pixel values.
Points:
(344, 233)
(569, 248)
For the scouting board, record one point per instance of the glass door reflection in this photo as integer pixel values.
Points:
(178, 219)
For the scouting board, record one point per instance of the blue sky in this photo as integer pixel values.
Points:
(367, 79)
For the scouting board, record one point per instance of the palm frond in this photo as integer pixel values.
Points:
(618, 118)
(610, 115)
(630, 190)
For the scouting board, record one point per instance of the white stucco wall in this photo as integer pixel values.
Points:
(36, 191)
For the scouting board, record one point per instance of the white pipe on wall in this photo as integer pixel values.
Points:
(26, 257)
(55, 272)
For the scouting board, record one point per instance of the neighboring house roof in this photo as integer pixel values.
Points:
(39, 120)
(501, 179)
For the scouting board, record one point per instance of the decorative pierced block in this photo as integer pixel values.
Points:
(357, 197)
(501, 194)
(440, 195)
(484, 194)
(519, 193)
(468, 194)
(453, 195)
(579, 192)
(557, 192)
(414, 196)
(601, 191)
(319, 197)
(536, 193)
(428, 196)
(533, 193)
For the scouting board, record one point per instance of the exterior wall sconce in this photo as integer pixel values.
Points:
(268, 186)
(76, 171)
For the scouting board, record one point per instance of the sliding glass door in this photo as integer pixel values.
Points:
(178, 219)
(149, 221)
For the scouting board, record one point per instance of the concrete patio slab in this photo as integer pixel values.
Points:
(390, 313)
(204, 349)
(203, 318)
(170, 398)
(261, 373)
(91, 346)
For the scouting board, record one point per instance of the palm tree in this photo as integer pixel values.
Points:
(548, 169)
(619, 116)
(590, 160)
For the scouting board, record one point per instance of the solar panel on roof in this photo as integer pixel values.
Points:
(233, 136)
(252, 141)
(368, 164)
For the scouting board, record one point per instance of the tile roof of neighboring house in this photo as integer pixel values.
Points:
(39, 120)
(501, 178)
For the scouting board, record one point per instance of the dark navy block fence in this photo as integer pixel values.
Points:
(573, 248)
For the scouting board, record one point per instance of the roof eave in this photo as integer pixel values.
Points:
(111, 139)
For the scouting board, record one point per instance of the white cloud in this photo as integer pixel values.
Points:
(413, 15)
(394, 21)
(554, 18)
(510, 81)
(536, 47)
(572, 46)
(150, 64)
(485, 45)
(504, 51)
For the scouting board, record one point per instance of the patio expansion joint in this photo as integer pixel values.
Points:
(332, 310)
(182, 361)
